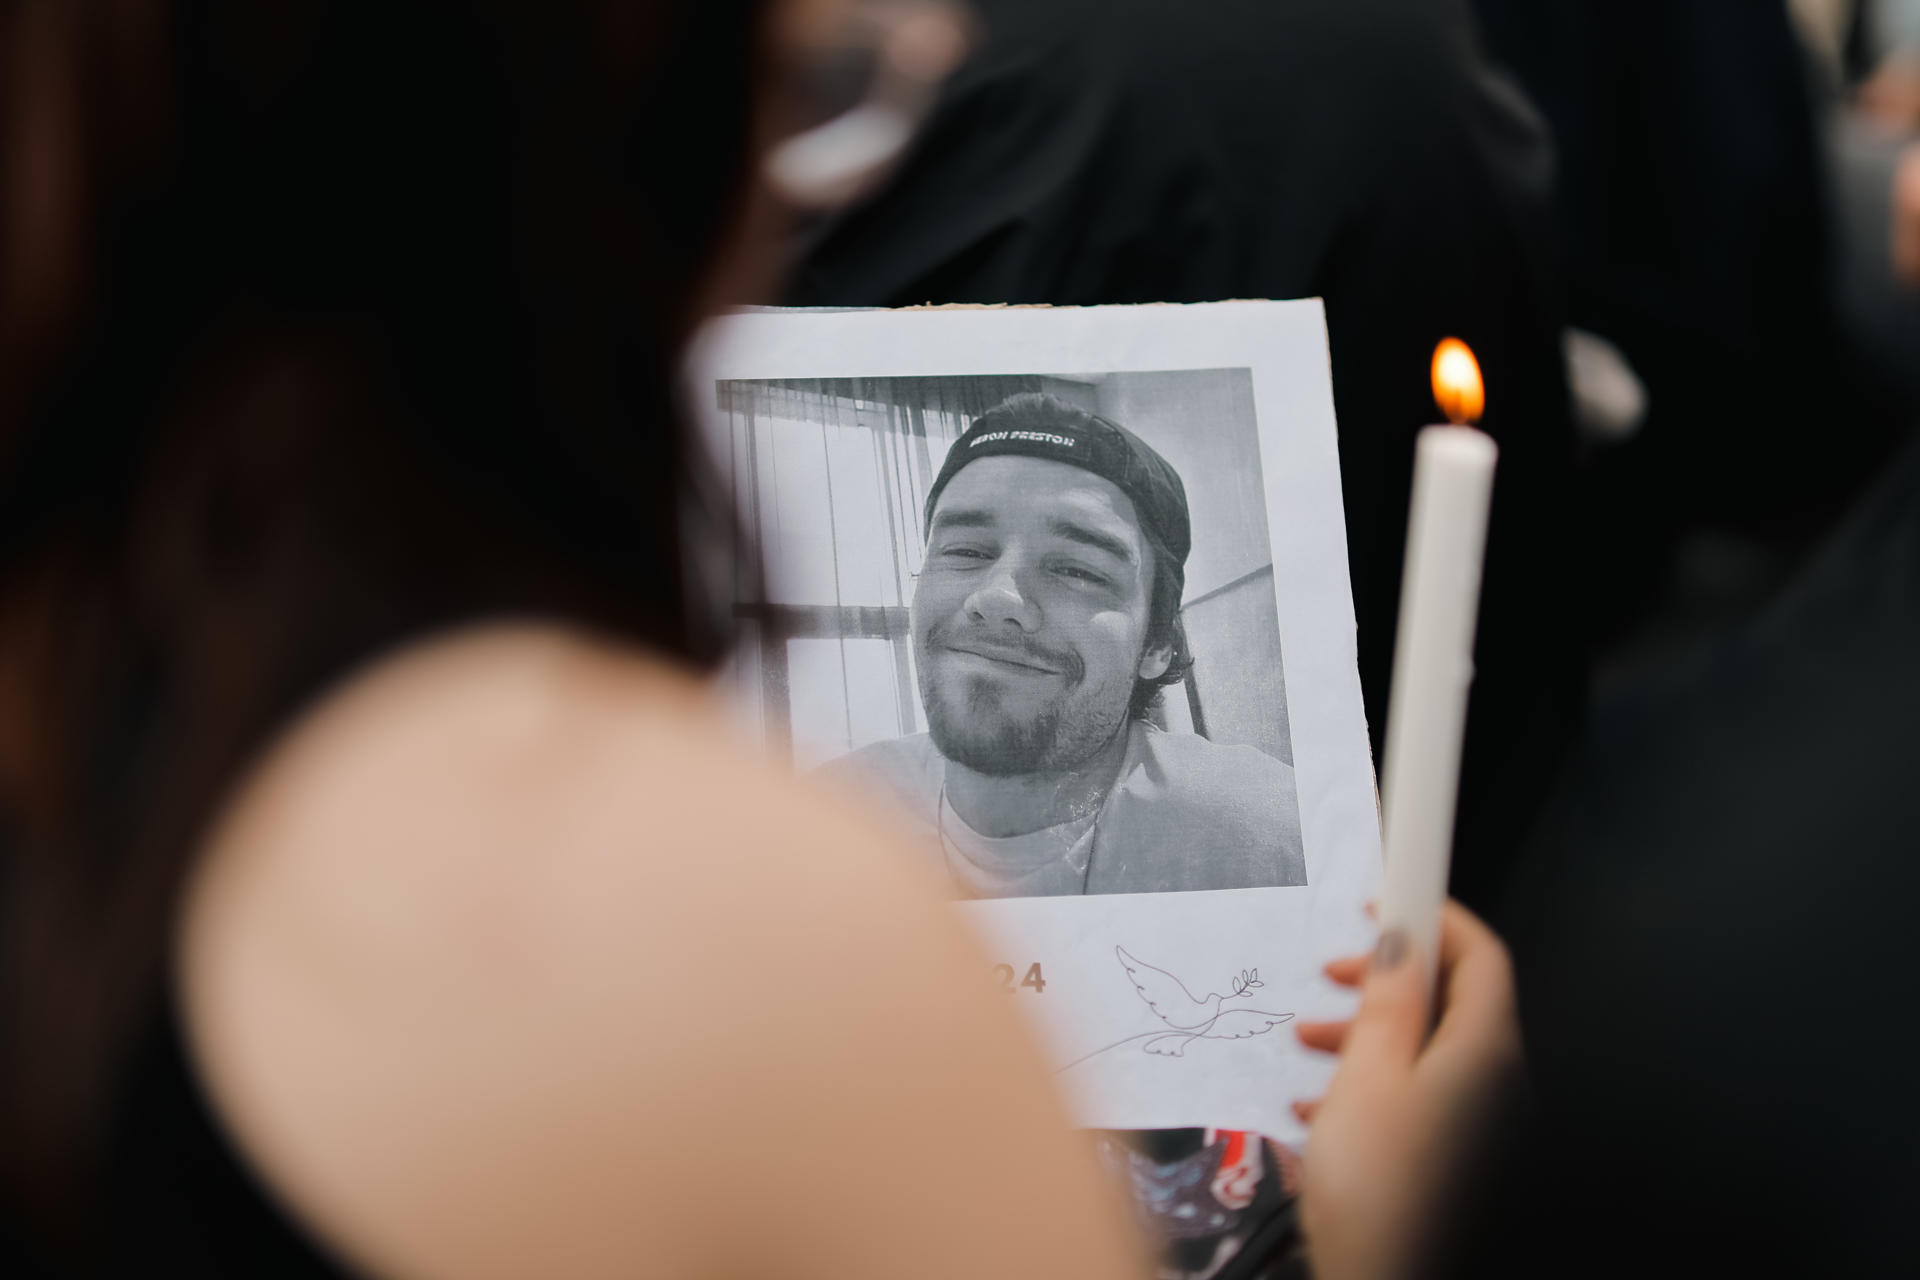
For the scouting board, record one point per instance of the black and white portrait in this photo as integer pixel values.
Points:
(1066, 590)
(1034, 615)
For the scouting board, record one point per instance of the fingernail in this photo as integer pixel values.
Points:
(1390, 950)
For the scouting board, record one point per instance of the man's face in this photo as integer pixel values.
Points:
(1030, 619)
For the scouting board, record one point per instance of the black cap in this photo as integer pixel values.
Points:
(1037, 425)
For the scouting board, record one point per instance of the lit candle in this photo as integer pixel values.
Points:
(1433, 653)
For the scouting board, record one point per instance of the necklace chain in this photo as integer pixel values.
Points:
(948, 852)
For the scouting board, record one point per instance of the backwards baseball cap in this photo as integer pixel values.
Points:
(1037, 425)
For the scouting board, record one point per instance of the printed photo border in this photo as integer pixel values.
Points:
(1105, 967)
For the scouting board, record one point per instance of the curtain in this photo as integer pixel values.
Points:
(830, 477)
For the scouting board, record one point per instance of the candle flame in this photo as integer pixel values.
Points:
(1457, 387)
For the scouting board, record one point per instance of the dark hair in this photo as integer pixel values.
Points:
(322, 325)
(1164, 627)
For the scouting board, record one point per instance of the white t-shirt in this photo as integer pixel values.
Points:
(1041, 864)
(1183, 813)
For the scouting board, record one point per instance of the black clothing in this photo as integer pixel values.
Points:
(1691, 208)
(1717, 958)
(174, 1199)
(1123, 151)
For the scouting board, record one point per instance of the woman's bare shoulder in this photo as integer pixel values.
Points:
(509, 948)
(485, 741)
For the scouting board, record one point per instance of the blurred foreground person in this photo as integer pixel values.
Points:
(381, 888)
(349, 663)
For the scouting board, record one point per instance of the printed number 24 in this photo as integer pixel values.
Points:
(1033, 979)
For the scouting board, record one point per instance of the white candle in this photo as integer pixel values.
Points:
(1432, 671)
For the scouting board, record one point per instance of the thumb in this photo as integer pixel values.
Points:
(1392, 1022)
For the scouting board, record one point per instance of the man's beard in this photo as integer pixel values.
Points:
(982, 726)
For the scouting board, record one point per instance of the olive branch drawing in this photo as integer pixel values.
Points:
(1188, 1017)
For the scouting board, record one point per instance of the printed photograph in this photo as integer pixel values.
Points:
(1034, 615)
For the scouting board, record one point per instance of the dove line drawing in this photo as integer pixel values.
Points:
(1188, 1017)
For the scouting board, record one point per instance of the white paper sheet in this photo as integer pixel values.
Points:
(830, 427)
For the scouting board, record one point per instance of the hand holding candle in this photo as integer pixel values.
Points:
(1433, 653)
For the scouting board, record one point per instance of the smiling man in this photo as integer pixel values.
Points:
(1046, 620)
